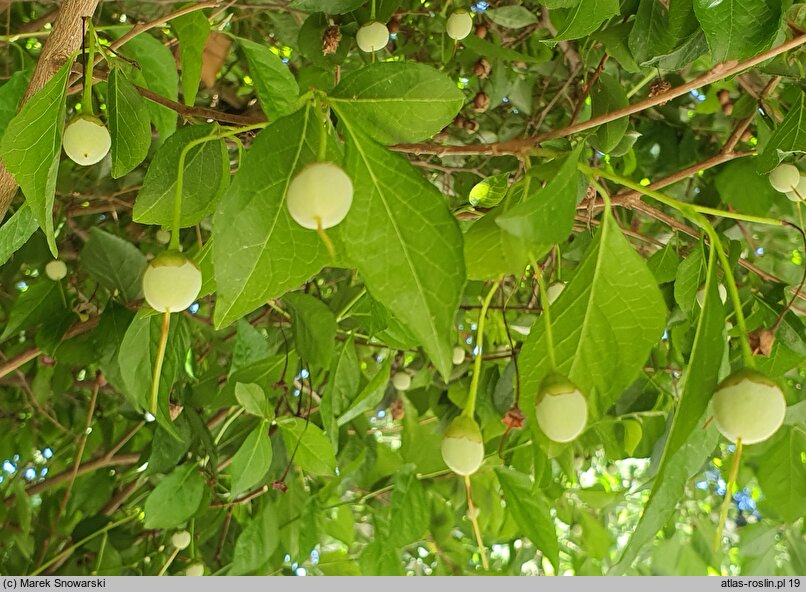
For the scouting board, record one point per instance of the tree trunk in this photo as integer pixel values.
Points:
(64, 41)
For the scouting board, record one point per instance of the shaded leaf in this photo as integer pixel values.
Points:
(115, 263)
(129, 124)
(314, 328)
(175, 499)
(16, 231)
(252, 460)
(192, 30)
(314, 454)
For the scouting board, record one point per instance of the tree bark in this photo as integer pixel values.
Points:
(64, 41)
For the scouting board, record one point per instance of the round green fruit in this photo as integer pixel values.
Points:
(401, 381)
(320, 196)
(162, 236)
(459, 24)
(748, 405)
(372, 36)
(458, 356)
(171, 282)
(463, 446)
(561, 409)
(784, 177)
(181, 539)
(86, 140)
(798, 192)
(56, 270)
(197, 569)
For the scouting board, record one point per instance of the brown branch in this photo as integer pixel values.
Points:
(188, 112)
(97, 463)
(587, 88)
(524, 145)
(63, 42)
(31, 354)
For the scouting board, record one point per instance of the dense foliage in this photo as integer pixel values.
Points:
(546, 236)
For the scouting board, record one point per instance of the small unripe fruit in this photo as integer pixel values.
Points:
(171, 282)
(784, 177)
(56, 270)
(319, 196)
(459, 24)
(748, 405)
(86, 140)
(181, 539)
(561, 409)
(463, 446)
(723, 294)
(197, 569)
(458, 356)
(372, 36)
(163, 236)
(798, 192)
(401, 381)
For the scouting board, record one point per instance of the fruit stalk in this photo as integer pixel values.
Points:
(546, 314)
(155, 382)
(473, 514)
(723, 514)
(470, 407)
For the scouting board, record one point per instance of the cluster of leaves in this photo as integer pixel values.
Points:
(280, 443)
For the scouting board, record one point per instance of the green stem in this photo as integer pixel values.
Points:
(155, 382)
(684, 208)
(472, 513)
(723, 514)
(86, 101)
(470, 407)
(546, 314)
(644, 81)
(71, 549)
(168, 562)
(219, 134)
(372, 11)
(695, 214)
(733, 290)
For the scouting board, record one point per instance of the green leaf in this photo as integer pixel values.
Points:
(314, 328)
(41, 301)
(16, 231)
(605, 322)
(205, 177)
(664, 263)
(275, 85)
(700, 377)
(11, 94)
(314, 454)
(115, 263)
(175, 499)
(690, 276)
(489, 192)
(482, 47)
(789, 137)
(530, 509)
(405, 243)
(166, 449)
(782, 474)
(252, 461)
(513, 16)
(411, 511)
(546, 216)
(394, 102)
(256, 543)
(129, 124)
(667, 38)
(607, 96)
(159, 75)
(326, 6)
(738, 29)
(31, 146)
(370, 395)
(490, 251)
(192, 30)
(650, 31)
(345, 376)
(667, 491)
(136, 357)
(582, 19)
(740, 186)
(259, 252)
(253, 399)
